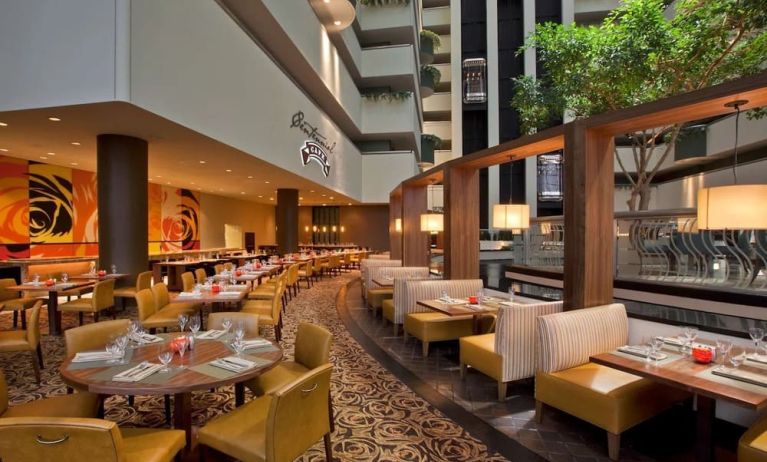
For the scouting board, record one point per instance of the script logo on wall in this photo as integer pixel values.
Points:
(317, 147)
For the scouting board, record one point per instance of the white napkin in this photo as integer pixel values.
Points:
(137, 373)
(473, 307)
(88, 356)
(211, 334)
(233, 363)
(149, 338)
(641, 352)
(672, 341)
(230, 294)
(188, 295)
(508, 303)
(452, 301)
(255, 343)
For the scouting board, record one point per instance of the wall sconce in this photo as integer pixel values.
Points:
(314, 228)
(324, 229)
(333, 228)
(343, 229)
(306, 229)
(398, 225)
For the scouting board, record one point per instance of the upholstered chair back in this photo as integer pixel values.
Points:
(146, 302)
(187, 281)
(60, 439)
(33, 326)
(433, 288)
(568, 339)
(312, 345)
(515, 337)
(397, 272)
(161, 296)
(143, 280)
(249, 321)
(93, 336)
(365, 266)
(399, 298)
(293, 274)
(229, 266)
(103, 295)
(6, 294)
(218, 268)
(200, 275)
(298, 415)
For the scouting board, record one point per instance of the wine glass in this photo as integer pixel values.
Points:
(737, 356)
(689, 334)
(239, 330)
(165, 357)
(480, 296)
(238, 346)
(114, 269)
(113, 351)
(182, 320)
(64, 277)
(656, 344)
(723, 347)
(36, 279)
(226, 324)
(181, 342)
(757, 334)
(445, 296)
(122, 344)
(194, 325)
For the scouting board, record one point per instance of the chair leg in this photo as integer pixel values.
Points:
(15, 319)
(463, 370)
(278, 332)
(23, 319)
(395, 327)
(131, 400)
(328, 447)
(167, 410)
(40, 355)
(538, 411)
(613, 445)
(501, 390)
(331, 414)
(36, 367)
(80, 316)
(425, 349)
(96, 317)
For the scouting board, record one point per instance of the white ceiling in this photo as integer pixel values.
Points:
(176, 154)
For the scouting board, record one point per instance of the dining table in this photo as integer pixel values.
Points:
(194, 372)
(488, 305)
(54, 316)
(94, 277)
(678, 371)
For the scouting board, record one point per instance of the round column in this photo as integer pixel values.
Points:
(287, 220)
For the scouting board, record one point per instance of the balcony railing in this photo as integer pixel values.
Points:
(661, 246)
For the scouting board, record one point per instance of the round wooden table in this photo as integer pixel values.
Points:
(180, 385)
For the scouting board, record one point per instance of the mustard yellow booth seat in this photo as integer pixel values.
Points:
(753, 444)
(153, 318)
(608, 398)
(65, 439)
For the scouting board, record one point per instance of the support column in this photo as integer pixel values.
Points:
(461, 192)
(286, 216)
(395, 236)
(121, 178)
(415, 243)
(589, 226)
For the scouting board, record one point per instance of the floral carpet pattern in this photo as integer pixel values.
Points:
(377, 417)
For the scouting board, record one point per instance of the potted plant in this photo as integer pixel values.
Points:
(430, 76)
(430, 42)
(386, 94)
(428, 144)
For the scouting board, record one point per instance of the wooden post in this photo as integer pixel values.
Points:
(415, 243)
(589, 226)
(461, 202)
(395, 213)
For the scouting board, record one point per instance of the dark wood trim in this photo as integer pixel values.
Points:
(415, 243)
(461, 202)
(395, 212)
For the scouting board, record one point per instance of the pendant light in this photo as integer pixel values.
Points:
(432, 221)
(736, 206)
(515, 217)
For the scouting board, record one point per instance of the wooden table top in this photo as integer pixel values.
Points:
(183, 382)
(207, 296)
(682, 374)
(384, 283)
(96, 277)
(456, 310)
(58, 287)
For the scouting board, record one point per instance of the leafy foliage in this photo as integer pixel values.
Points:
(436, 42)
(433, 71)
(433, 139)
(384, 94)
(641, 52)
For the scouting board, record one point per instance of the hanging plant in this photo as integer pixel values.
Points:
(384, 2)
(427, 37)
(430, 76)
(429, 143)
(377, 94)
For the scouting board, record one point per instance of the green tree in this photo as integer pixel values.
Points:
(644, 50)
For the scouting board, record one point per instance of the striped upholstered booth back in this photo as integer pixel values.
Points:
(365, 266)
(568, 339)
(397, 272)
(429, 290)
(515, 337)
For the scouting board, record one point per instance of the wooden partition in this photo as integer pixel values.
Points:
(415, 244)
(395, 213)
(461, 202)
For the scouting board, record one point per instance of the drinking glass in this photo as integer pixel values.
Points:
(113, 351)
(194, 325)
(238, 346)
(723, 347)
(656, 344)
(511, 292)
(114, 269)
(226, 324)
(122, 344)
(165, 357)
(445, 296)
(689, 334)
(480, 295)
(239, 330)
(64, 277)
(182, 344)
(182, 320)
(36, 279)
(737, 356)
(757, 334)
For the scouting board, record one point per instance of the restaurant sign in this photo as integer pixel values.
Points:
(317, 147)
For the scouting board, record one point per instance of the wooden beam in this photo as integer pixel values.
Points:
(395, 213)
(415, 243)
(461, 202)
(589, 234)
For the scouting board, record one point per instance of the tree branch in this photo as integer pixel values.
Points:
(623, 168)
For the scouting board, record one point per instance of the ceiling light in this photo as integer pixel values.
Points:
(311, 191)
(220, 189)
(331, 197)
(43, 157)
(51, 154)
(336, 23)
(350, 203)
(191, 182)
(157, 176)
(3, 124)
(271, 198)
(398, 225)
(326, 1)
(3, 150)
(202, 161)
(242, 192)
(168, 182)
(300, 198)
(73, 163)
(75, 143)
(229, 170)
(54, 119)
(324, 195)
(260, 196)
(515, 217)
(266, 182)
(324, 205)
(432, 222)
(250, 177)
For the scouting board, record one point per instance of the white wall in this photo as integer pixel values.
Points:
(47, 59)
(383, 172)
(193, 64)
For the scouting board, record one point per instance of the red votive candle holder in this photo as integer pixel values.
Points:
(702, 355)
(472, 299)
(215, 288)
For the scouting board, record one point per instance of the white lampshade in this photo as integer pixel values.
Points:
(398, 225)
(432, 222)
(511, 216)
(733, 207)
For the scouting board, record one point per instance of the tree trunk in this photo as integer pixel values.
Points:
(632, 201)
(645, 193)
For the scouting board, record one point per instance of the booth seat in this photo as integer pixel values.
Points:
(430, 326)
(753, 444)
(608, 398)
(509, 353)
(377, 294)
(365, 266)
(54, 270)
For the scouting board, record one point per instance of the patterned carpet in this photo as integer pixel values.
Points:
(378, 418)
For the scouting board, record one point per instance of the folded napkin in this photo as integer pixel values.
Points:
(88, 356)
(741, 375)
(64, 285)
(672, 341)
(760, 359)
(137, 373)
(452, 301)
(508, 303)
(188, 295)
(230, 293)
(256, 343)
(210, 334)
(233, 363)
(641, 352)
(149, 338)
(238, 287)
(474, 306)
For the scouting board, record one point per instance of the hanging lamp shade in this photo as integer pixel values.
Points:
(398, 225)
(432, 222)
(511, 216)
(733, 207)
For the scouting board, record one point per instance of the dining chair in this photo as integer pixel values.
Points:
(266, 290)
(102, 299)
(67, 439)
(153, 317)
(218, 268)
(12, 300)
(143, 281)
(305, 273)
(75, 405)
(28, 340)
(249, 321)
(277, 427)
(93, 336)
(292, 280)
(162, 300)
(229, 266)
(187, 281)
(268, 310)
(200, 275)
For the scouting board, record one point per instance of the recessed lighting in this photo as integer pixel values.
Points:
(337, 23)
(229, 170)
(158, 176)
(3, 150)
(75, 143)
(220, 189)
(326, 1)
(324, 205)
(250, 177)
(43, 157)
(311, 190)
(50, 154)
(73, 164)
(191, 182)
(300, 198)
(260, 196)
(3, 124)
(266, 182)
(168, 182)
(350, 203)
(271, 198)
(202, 161)
(54, 119)
(331, 197)
(324, 195)
(242, 192)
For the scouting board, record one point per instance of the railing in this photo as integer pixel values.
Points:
(663, 246)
